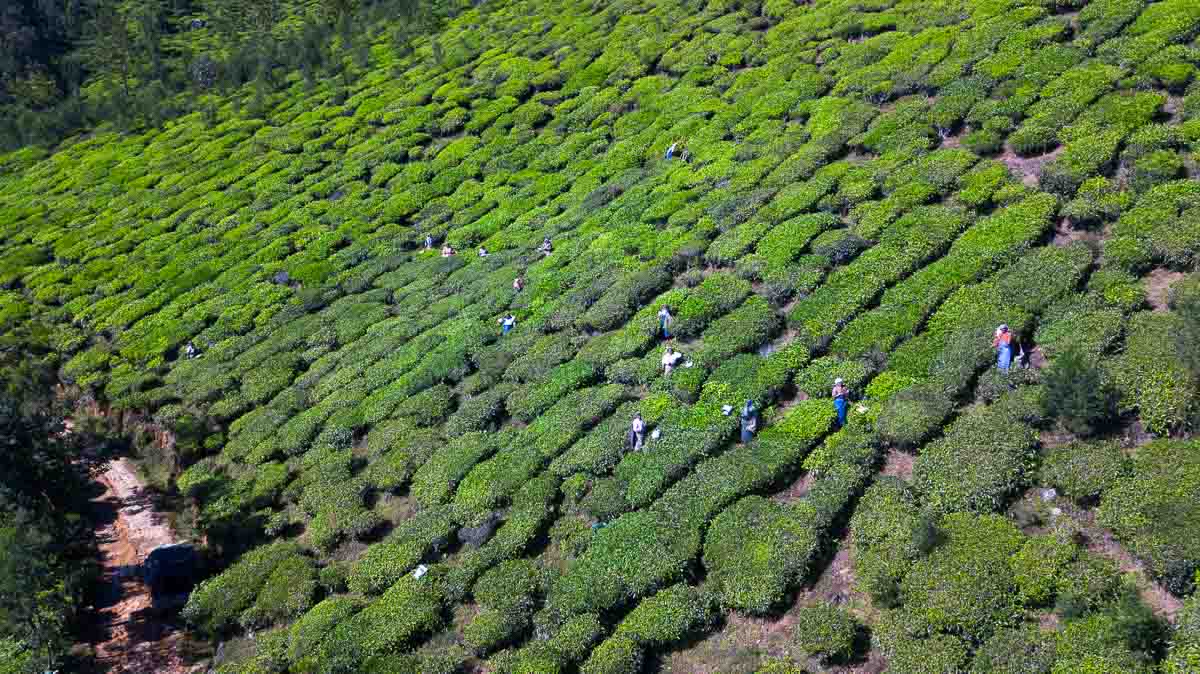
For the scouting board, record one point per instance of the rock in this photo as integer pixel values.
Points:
(1056, 512)
(282, 278)
(203, 71)
(1049, 494)
(478, 535)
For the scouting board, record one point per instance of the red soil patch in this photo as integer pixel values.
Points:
(898, 464)
(1028, 169)
(1158, 285)
(1064, 235)
(836, 583)
(797, 491)
(1100, 541)
(129, 638)
(1055, 438)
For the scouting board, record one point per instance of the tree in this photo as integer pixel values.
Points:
(1076, 393)
(110, 46)
(45, 544)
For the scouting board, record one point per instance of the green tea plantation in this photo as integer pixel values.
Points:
(398, 325)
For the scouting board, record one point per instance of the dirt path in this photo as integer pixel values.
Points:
(1100, 541)
(129, 638)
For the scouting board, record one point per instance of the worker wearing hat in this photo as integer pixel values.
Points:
(1002, 343)
(841, 395)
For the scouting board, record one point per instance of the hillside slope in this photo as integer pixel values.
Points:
(858, 189)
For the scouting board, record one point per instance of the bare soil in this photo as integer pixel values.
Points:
(1100, 541)
(1028, 169)
(797, 490)
(898, 464)
(1158, 285)
(1065, 235)
(744, 642)
(129, 637)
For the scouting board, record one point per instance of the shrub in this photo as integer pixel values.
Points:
(1091, 332)
(434, 482)
(306, 633)
(1116, 288)
(964, 586)
(755, 550)
(1150, 376)
(477, 413)
(1156, 168)
(1096, 202)
(1153, 509)
(1077, 393)
(386, 562)
(510, 585)
(287, 593)
(1087, 583)
(396, 621)
(216, 603)
(885, 526)
(569, 644)
(668, 617)
(1185, 301)
(616, 655)
(1098, 642)
(1184, 655)
(1083, 471)
(1018, 650)
(531, 400)
(1040, 565)
(939, 654)
(826, 631)
(715, 296)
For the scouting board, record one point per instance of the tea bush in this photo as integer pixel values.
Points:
(1150, 376)
(386, 562)
(825, 631)
(1161, 480)
(1016, 649)
(255, 278)
(1083, 471)
(754, 550)
(885, 527)
(964, 586)
(1185, 642)
(216, 603)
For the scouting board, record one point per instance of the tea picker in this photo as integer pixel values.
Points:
(637, 432)
(669, 358)
(840, 395)
(749, 419)
(1002, 342)
(507, 323)
(664, 321)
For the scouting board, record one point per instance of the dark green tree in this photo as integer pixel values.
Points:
(1076, 393)
(46, 548)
